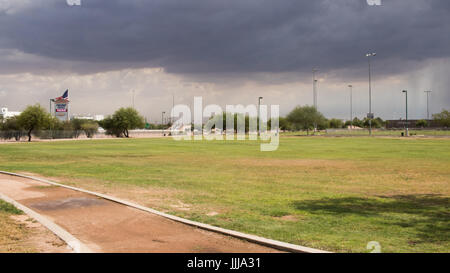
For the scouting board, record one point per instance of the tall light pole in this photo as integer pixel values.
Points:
(370, 114)
(351, 106)
(162, 121)
(259, 114)
(315, 93)
(314, 87)
(406, 131)
(173, 106)
(428, 109)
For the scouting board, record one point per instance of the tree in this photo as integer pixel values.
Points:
(336, 123)
(33, 118)
(123, 120)
(11, 129)
(358, 123)
(77, 126)
(89, 127)
(284, 124)
(422, 123)
(376, 123)
(238, 119)
(443, 118)
(305, 117)
(381, 122)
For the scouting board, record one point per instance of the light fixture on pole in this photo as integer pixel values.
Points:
(259, 114)
(162, 122)
(370, 115)
(315, 93)
(406, 124)
(351, 106)
(314, 88)
(428, 109)
(173, 106)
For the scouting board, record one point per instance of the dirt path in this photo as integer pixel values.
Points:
(105, 226)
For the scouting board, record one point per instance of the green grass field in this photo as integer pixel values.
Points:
(335, 194)
(375, 132)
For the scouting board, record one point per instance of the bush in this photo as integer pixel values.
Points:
(123, 120)
(10, 129)
(90, 128)
(305, 117)
(335, 123)
(422, 123)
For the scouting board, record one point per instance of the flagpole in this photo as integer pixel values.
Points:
(68, 117)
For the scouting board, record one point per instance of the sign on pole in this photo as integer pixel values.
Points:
(62, 109)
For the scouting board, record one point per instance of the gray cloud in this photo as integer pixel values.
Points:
(232, 36)
(226, 51)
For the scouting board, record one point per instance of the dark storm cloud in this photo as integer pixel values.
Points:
(226, 36)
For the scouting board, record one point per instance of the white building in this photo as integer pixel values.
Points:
(8, 114)
(89, 117)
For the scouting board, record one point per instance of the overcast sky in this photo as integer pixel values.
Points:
(228, 51)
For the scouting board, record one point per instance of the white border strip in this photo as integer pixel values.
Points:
(251, 238)
(70, 240)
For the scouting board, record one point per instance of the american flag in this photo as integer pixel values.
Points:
(65, 96)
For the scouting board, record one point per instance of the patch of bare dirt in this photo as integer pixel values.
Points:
(38, 238)
(288, 218)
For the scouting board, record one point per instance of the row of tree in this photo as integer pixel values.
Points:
(35, 120)
(307, 118)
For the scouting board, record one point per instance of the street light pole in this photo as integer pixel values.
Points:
(173, 106)
(162, 121)
(315, 94)
(406, 131)
(370, 115)
(259, 114)
(428, 110)
(314, 88)
(351, 106)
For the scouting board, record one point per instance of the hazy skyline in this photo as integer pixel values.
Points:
(229, 52)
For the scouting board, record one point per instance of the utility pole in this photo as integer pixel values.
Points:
(428, 109)
(162, 122)
(370, 114)
(173, 107)
(315, 94)
(406, 131)
(259, 114)
(351, 106)
(314, 88)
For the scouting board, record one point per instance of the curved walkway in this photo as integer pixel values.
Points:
(107, 224)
